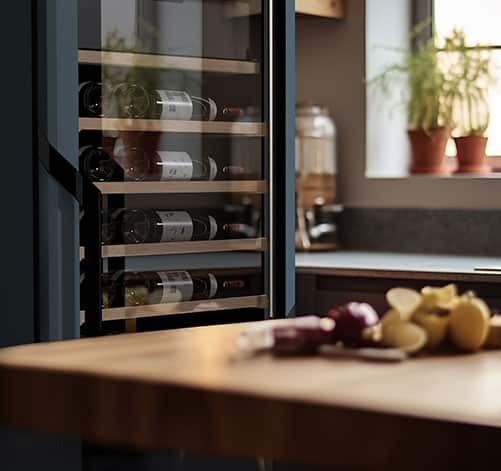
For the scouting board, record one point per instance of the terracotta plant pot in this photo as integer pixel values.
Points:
(428, 150)
(471, 154)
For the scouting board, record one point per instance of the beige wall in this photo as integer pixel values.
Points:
(330, 65)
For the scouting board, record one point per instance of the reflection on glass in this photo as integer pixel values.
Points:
(176, 96)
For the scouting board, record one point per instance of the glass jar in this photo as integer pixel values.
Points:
(316, 164)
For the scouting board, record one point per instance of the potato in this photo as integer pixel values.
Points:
(434, 325)
(441, 298)
(404, 300)
(405, 336)
(390, 317)
(494, 335)
(469, 323)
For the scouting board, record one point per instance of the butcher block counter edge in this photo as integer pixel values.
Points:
(272, 415)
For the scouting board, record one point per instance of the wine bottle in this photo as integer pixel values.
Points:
(160, 287)
(238, 230)
(140, 226)
(237, 113)
(240, 221)
(142, 288)
(98, 165)
(165, 165)
(111, 226)
(130, 100)
(179, 105)
(93, 99)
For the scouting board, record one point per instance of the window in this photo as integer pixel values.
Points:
(375, 168)
(480, 22)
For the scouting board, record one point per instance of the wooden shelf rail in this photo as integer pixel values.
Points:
(182, 248)
(179, 248)
(161, 125)
(156, 61)
(187, 307)
(164, 187)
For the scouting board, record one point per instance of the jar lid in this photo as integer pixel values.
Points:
(310, 109)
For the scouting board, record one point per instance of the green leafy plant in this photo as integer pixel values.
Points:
(113, 76)
(426, 96)
(469, 75)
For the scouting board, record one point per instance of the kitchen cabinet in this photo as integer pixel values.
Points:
(323, 8)
(329, 279)
(326, 8)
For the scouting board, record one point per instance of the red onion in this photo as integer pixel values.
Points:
(356, 324)
(303, 338)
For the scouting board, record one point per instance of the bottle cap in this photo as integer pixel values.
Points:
(212, 169)
(213, 286)
(213, 228)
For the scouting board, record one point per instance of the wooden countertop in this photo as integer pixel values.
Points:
(186, 389)
(397, 265)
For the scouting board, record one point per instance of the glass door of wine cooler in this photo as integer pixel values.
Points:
(176, 130)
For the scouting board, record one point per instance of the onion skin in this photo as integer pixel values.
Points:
(300, 339)
(353, 321)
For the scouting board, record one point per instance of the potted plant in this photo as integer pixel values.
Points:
(427, 103)
(470, 75)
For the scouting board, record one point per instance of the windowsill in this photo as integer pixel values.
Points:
(459, 176)
(451, 165)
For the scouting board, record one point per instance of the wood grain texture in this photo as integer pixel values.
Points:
(163, 125)
(154, 61)
(187, 389)
(325, 8)
(186, 307)
(167, 248)
(233, 186)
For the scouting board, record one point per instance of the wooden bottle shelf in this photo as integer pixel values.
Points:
(179, 248)
(324, 8)
(232, 186)
(155, 61)
(182, 248)
(188, 307)
(161, 125)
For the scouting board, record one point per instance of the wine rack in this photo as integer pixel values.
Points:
(248, 130)
(159, 125)
(156, 310)
(156, 61)
(142, 188)
(189, 307)
(171, 248)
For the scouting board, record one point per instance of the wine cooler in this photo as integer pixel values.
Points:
(163, 166)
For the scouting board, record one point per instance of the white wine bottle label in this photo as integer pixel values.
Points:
(175, 165)
(175, 105)
(177, 286)
(176, 226)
